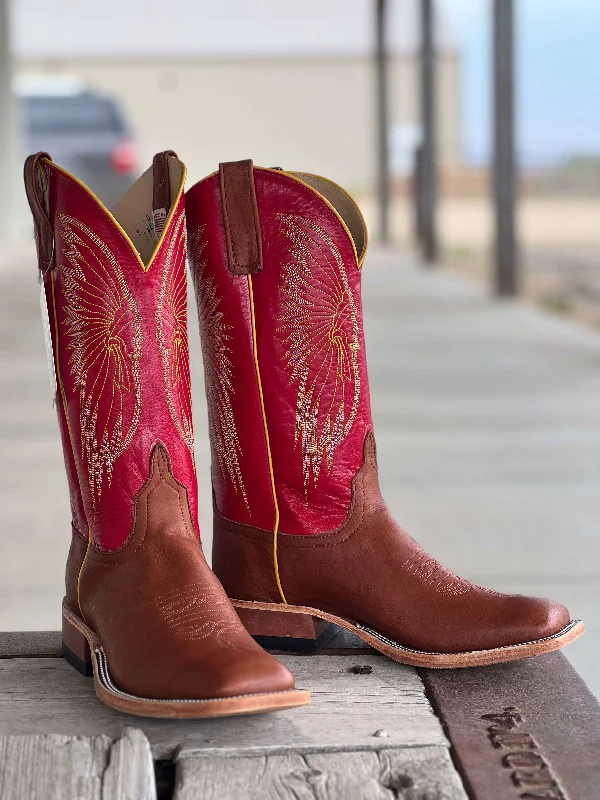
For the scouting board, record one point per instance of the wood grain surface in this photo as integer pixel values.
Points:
(56, 767)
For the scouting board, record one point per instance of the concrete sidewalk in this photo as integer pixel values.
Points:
(488, 427)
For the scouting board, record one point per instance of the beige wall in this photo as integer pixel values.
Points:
(314, 115)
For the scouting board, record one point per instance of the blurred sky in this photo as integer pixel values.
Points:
(558, 63)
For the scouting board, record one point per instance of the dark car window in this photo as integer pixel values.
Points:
(78, 114)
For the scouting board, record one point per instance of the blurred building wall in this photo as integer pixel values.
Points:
(314, 113)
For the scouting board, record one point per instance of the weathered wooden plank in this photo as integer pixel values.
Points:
(417, 773)
(530, 729)
(27, 644)
(55, 767)
(130, 771)
(48, 696)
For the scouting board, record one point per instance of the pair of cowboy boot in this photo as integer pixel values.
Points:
(301, 532)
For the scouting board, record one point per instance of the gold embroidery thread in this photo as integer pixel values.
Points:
(104, 328)
(320, 324)
(172, 335)
(218, 368)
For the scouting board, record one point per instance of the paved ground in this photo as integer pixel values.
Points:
(488, 426)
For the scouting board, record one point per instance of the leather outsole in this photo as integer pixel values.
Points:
(419, 658)
(204, 708)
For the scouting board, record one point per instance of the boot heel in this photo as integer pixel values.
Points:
(281, 630)
(75, 648)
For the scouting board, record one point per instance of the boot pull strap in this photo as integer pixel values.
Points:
(240, 217)
(44, 232)
(161, 193)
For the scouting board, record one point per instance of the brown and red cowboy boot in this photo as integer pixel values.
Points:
(300, 528)
(142, 608)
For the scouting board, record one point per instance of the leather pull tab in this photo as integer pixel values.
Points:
(240, 217)
(161, 193)
(44, 232)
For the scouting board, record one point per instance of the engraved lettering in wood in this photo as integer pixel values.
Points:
(530, 773)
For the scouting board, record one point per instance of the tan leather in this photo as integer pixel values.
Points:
(77, 552)
(240, 217)
(135, 211)
(371, 571)
(162, 617)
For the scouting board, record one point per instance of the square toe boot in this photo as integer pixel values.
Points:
(301, 530)
(143, 612)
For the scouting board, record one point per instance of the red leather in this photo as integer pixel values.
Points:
(313, 491)
(35, 167)
(239, 463)
(358, 564)
(75, 498)
(118, 331)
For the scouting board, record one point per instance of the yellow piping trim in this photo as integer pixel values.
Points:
(341, 189)
(321, 196)
(266, 428)
(144, 267)
(292, 177)
(117, 224)
(66, 413)
(89, 544)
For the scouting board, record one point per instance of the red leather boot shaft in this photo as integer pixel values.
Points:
(120, 344)
(239, 458)
(303, 385)
(78, 516)
(294, 330)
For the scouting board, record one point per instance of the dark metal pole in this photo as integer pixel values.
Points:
(383, 158)
(505, 245)
(428, 188)
(417, 195)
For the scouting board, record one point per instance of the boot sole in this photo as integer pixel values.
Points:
(83, 650)
(398, 652)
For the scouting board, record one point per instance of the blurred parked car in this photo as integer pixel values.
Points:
(84, 132)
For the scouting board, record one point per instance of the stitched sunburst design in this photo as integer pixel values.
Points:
(105, 338)
(172, 335)
(320, 324)
(215, 338)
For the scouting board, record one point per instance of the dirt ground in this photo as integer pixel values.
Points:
(559, 246)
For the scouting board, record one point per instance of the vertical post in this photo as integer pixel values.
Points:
(417, 199)
(383, 158)
(504, 167)
(7, 128)
(428, 187)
